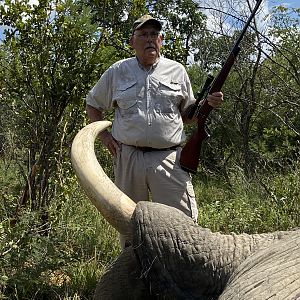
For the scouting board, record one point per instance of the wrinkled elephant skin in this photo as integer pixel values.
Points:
(173, 258)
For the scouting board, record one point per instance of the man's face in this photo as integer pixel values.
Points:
(147, 42)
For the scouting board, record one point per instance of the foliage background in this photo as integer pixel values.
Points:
(53, 243)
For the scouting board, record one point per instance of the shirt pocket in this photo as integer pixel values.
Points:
(125, 98)
(171, 96)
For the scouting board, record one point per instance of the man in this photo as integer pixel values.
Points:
(150, 95)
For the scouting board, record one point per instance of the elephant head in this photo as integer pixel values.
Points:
(171, 257)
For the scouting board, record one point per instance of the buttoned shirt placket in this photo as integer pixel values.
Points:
(148, 98)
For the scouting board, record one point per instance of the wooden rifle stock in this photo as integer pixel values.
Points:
(190, 154)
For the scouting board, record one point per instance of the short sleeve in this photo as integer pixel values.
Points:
(189, 98)
(100, 96)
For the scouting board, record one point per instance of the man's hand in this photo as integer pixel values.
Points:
(109, 142)
(105, 137)
(215, 99)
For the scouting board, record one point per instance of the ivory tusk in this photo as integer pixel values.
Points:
(113, 204)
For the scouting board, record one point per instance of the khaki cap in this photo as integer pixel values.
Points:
(139, 23)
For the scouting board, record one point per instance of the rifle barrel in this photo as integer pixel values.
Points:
(190, 153)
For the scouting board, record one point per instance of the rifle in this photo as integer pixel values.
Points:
(190, 153)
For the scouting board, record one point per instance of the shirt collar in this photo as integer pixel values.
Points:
(151, 68)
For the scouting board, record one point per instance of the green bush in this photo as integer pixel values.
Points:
(267, 203)
(65, 255)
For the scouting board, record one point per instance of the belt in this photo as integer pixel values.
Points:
(150, 149)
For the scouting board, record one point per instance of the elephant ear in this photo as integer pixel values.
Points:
(271, 273)
(167, 247)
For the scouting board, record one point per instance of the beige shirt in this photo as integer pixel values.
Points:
(148, 103)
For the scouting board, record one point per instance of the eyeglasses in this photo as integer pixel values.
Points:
(144, 36)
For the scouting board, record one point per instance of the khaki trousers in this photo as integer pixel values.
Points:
(155, 176)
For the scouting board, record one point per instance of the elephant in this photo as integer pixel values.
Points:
(169, 256)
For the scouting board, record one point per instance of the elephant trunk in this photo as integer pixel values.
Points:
(179, 258)
(112, 203)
